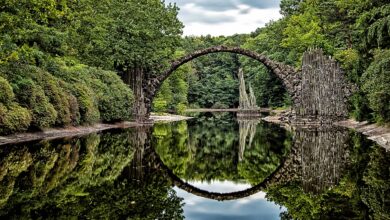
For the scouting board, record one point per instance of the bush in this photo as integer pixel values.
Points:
(160, 105)
(68, 95)
(89, 112)
(32, 96)
(114, 98)
(181, 108)
(117, 102)
(56, 94)
(6, 93)
(13, 118)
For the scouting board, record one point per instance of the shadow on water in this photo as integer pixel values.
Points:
(314, 172)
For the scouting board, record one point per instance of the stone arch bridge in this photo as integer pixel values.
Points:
(318, 159)
(318, 89)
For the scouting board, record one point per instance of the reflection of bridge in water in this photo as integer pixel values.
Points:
(317, 159)
(324, 153)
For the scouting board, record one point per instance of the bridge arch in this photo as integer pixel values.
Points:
(319, 90)
(286, 73)
(282, 71)
(280, 175)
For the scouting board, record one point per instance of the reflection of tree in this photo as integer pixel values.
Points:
(361, 191)
(80, 178)
(171, 140)
(211, 149)
(376, 188)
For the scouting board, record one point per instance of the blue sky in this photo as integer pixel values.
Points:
(225, 17)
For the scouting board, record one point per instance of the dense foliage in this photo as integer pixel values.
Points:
(69, 95)
(81, 178)
(173, 94)
(43, 81)
(355, 33)
(45, 44)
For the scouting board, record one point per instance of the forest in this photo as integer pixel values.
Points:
(61, 62)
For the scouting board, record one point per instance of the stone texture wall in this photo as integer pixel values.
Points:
(322, 93)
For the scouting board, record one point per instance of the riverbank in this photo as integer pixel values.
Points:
(374, 132)
(54, 133)
(168, 117)
(264, 110)
(377, 133)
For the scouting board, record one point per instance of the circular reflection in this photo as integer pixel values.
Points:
(212, 148)
(182, 184)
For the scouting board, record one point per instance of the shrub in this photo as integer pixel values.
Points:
(32, 96)
(56, 94)
(13, 118)
(6, 93)
(89, 112)
(68, 95)
(114, 98)
(180, 108)
(117, 101)
(160, 105)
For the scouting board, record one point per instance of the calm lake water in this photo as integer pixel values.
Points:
(214, 166)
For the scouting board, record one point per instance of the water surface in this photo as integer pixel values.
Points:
(212, 167)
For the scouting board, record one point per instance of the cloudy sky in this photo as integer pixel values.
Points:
(225, 17)
(252, 207)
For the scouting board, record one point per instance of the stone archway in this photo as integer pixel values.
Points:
(282, 174)
(318, 90)
(284, 72)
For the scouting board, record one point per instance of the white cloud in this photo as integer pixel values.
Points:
(251, 207)
(202, 17)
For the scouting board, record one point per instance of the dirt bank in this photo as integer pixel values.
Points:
(377, 133)
(222, 110)
(54, 133)
(168, 117)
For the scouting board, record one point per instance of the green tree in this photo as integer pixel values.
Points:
(289, 7)
(376, 83)
(143, 34)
